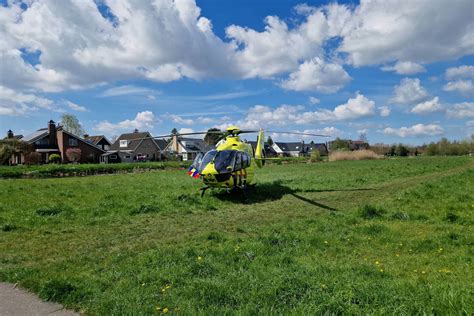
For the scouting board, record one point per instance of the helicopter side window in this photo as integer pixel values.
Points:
(224, 160)
(245, 160)
(197, 161)
(206, 159)
(238, 161)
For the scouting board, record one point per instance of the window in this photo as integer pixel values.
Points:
(43, 141)
(72, 142)
(106, 147)
(206, 159)
(238, 161)
(245, 160)
(224, 160)
(113, 156)
(127, 156)
(123, 143)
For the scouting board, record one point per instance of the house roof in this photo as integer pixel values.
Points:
(268, 148)
(31, 138)
(133, 141)
(162, 143)
(94, 140)
(295, 146)
(194, 144)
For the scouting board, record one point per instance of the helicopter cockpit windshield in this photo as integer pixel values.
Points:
(224, 161)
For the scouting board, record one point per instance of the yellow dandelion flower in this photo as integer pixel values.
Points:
(377, 263)
(163, 290)
(158, 308)
(323, 286)
(381, 270)
(423, 272)
(397, 255)
(326, 242)
(165, 310)
(415, 270)
(167, 286)
(199, 258)
(143, 284)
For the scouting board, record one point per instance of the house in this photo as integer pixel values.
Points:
(358, 145)
(55, 140)
(133, 147)
(99, 141)
(269, 151)
(296, 149)
(187, 148)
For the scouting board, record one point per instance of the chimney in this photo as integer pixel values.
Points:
(52, 133)
(9, 134)
(86, 135)
(135, 130)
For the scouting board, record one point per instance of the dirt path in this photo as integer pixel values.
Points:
(15, 301)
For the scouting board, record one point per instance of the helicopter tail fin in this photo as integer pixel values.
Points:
(259, 150)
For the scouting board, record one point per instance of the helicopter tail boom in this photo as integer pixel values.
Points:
(259, 150)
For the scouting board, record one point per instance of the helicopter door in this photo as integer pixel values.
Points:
(238, 161)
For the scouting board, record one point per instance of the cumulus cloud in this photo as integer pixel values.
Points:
(384, 110)
(185, 130)
(417, 130)
(316, 75)
(464, 87)
(13, 103)
(461, 110)
(427, 107)
(265, 116)
(405, 68)
(461, 72)
(142, 121)
(409, 91)
(381, 31)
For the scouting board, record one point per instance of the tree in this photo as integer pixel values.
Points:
(402, 151)
(363, 137)
(10, 146)
(174, 131)
(270, 140)
(73, 154)
(213, 135)
(71, 124)
(340, 144)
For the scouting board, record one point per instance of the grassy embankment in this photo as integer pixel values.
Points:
(382, 236)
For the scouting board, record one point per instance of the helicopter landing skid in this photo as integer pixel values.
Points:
(203, 190)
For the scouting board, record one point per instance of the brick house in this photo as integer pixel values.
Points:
(55, 140)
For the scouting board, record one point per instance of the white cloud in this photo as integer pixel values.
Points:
(384, 31)
(409, 91)
(142, 121)
(180, 120)
(384, 110)
(461, 72)
(76, 107)
(128, 90)
(464, 87)
(316, 75)
(314, 100)
(185, 130)
(405, 68)
(461, 110)
(427, 107)
(13, 103)
(415, 130)
(264, 116)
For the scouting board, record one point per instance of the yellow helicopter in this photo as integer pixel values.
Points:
(232, 164)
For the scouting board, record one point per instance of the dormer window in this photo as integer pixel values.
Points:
(123, 143)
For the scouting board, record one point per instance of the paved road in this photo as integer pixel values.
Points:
(15, 301)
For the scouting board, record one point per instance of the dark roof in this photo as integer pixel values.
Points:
(162, 143)
(30, 138)
(194, 144)
(268, 148)
(94, 140)
(133, 141)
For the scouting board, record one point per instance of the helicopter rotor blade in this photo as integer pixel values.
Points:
(298, 133)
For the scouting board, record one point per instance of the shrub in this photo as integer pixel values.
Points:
(369, 211)
(353, 155)
(315, 156)
(54, 158)
(33, 158)
(73, 154)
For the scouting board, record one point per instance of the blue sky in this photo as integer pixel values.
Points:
(341, 69)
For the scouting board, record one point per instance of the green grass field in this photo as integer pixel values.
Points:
(386, 236)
